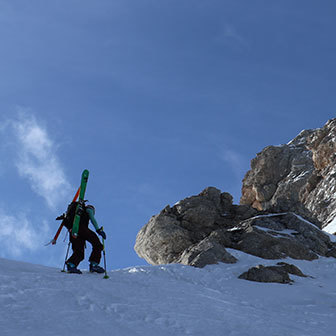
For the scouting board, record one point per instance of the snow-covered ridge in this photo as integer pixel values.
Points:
(166, 300)
(331, 227)
(278, 233)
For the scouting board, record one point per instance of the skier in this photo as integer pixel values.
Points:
(84, 234)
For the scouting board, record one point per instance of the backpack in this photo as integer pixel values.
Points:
(70, 215)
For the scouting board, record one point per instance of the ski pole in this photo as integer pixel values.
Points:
(66, 257)
(104, 254)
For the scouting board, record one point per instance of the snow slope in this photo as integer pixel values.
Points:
(167, 300)
(331, 227)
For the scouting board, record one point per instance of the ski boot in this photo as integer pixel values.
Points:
(73, 269)
(94, 267)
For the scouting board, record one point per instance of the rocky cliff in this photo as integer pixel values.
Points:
(287, 197)
(299, 176)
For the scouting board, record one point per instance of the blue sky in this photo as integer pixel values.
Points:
(158, 99)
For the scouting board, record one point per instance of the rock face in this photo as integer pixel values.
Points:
(277, 236)
(181, 234)
(197, 231)
(297, 177)
(204, 253)
(288, 188)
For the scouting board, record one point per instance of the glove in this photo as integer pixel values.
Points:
(61, 217)
(101, 233)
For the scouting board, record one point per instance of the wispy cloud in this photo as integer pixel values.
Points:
(32, 153)
(17, 235)
(229, 35)
(37, 160)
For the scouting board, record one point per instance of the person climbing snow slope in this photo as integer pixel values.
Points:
(87, 214)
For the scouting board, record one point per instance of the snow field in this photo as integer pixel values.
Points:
(167, 300)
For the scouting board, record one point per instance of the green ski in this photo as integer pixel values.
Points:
(80, 206)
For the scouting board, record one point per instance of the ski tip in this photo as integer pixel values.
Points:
(52, 241)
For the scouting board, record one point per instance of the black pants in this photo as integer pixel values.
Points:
(78, 246)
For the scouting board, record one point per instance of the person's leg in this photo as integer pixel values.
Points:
(97, 246)
(78, 245)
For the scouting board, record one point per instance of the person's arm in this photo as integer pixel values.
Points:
(94, 222)
(92, 218)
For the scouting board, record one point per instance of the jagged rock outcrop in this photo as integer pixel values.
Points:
(277, 236)
(288, 188)
(206, 252)
(198, 230)
(176, 234)
(278, 273)
(297, 177)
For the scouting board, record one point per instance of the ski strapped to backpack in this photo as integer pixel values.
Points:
(81, 203)
(63, 218)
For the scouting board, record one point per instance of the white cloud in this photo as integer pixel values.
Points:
(27, 145)
(230, 36)
(37, 160)
(17, 235)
